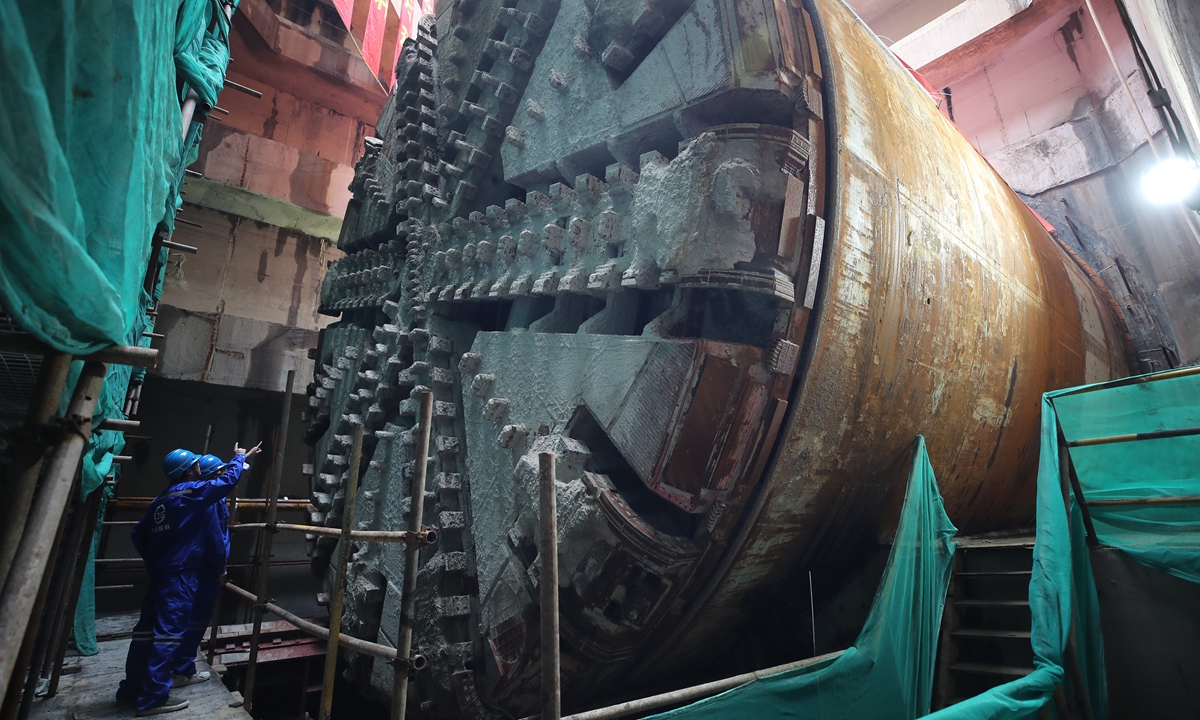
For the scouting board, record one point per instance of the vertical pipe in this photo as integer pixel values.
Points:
(19, 597)
(339, 591)
(548, 585)
(85, 549)
(19, 495)
(54, 607)
(12, 698)
(207, 437)
(412, 551)
(1121, 76)
(1070, 655)
(188, 110)
(264, 558)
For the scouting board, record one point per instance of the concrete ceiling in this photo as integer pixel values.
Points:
(870, 10)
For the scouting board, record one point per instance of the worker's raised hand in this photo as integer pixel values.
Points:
(239, 450)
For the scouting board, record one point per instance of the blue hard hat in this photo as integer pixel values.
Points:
(176, 463)
(209, 465)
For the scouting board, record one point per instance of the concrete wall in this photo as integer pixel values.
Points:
(276, 171)
(243, 310)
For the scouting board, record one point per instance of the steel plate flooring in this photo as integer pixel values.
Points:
(89, 693)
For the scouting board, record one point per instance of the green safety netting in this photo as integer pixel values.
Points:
(92, 158)
(889, 671)
(1163, 536)
(1061, 584)
(92, 153)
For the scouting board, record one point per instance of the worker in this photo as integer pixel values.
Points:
(209, 580)
(171, 538)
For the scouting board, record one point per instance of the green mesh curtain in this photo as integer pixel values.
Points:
(889, 671)
(92, 158)
(1165, 536)
(92, 153)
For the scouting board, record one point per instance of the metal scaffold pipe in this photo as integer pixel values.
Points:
(339, 593)
(265, 558)
(382, 652)
(696, 692)
(19, 342)
(412, 554)
(548, 584)
(51, 379)
(21, 587)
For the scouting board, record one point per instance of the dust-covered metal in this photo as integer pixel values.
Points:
(724, 259)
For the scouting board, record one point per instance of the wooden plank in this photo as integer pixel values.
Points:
(986, 669)
(997, 634)
(983, 541)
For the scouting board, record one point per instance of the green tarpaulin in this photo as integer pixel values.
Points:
(889, 671)
(92, 157)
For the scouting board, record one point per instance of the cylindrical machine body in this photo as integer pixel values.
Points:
(945, 310)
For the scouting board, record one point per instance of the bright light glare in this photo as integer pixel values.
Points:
(1171, 181)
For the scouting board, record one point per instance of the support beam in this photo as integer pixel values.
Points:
(686, 695)
(19, 496)
(19, 342)
(408, 600)
(548, 584)
(19, 596)
(265, 558)
(350, 492)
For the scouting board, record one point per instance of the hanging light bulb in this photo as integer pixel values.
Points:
(1172, 180)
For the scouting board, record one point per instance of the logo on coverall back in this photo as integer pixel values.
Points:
(160, 514)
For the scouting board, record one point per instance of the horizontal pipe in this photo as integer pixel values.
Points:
(134, 502)
(193, 173)
(219, 109)
(122, 458)
(138, 564)
(1167, 375)
(98, 588)
(356, 644)
(1177, 500)
(153, 334)
(26, 344)
(242, 88)
(177, 246)
(426, 537)
(117, 424)
(1130, 437)
(188, 222)
(696, 692)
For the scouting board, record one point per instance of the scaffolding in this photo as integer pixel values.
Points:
(415, 537)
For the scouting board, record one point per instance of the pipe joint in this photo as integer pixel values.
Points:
(425, 536)
(414, 663)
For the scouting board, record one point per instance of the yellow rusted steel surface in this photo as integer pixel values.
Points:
(944, 309)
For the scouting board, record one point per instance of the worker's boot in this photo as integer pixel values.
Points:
(171, 705)
(193, 679)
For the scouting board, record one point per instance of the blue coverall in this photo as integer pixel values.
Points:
(173, 538)
(216, 553)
